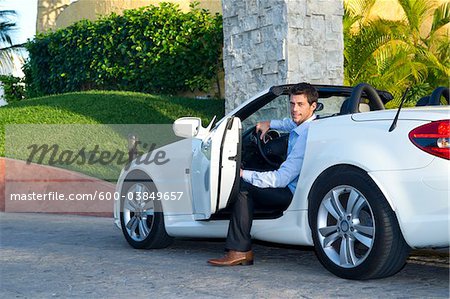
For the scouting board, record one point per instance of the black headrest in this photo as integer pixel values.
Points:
(344, 107)
(423, 101)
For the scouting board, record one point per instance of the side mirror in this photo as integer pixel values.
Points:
(187, 127)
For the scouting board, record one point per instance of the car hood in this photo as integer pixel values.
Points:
(417, 113)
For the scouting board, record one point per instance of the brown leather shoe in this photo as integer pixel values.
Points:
(233, 258)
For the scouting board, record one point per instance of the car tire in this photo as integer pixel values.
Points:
(141, 217)
(355, 232)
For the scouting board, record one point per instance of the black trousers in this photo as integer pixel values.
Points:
(249, 198)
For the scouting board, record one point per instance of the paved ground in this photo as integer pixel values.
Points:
(62, 256)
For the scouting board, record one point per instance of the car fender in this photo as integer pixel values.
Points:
(171, 177)
(368, 146)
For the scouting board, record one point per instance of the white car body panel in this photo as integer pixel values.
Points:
(414, 183)
(425, 221)
(288, 229)
(385, 156)
(228, 168)
(200, 170)
(221, 146)
(174, 178)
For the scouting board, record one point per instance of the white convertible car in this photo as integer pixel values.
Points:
(374, 182)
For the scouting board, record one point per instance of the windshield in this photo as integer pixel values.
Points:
(279, 108)
(276, 109)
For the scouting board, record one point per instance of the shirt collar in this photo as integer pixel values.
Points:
(304, 124)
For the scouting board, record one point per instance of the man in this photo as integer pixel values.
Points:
(271, 187)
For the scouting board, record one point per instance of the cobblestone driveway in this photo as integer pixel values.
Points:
(51, 256)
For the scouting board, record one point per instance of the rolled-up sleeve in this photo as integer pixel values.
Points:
(286, 124)
(247, 175)
(260, 179)
(289, 170)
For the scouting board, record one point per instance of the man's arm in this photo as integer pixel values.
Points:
(288, 171)
(284, 125)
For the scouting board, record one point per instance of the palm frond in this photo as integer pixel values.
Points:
(358, 11)
(443, 51)
(416, 11)
(434, 62)
(441, 17)
(349, 20)
(360, 7)
(361, 47)
(396, 64)
(6, 26)
(393, 55)
(10, 58)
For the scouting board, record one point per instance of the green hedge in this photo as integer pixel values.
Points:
(13, 87)
(152, 49)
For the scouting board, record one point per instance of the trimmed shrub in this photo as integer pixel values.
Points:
(152, 49)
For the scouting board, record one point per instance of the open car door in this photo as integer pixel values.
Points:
(215, 169)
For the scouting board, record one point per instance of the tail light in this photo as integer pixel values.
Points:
(433, 138)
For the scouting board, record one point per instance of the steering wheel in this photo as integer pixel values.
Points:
(273, 150)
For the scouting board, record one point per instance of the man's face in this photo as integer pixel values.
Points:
(301, 110)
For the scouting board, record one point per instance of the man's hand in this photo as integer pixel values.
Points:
(262, 127)
(241, 173)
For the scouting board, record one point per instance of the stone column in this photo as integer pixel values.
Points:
(270, 42)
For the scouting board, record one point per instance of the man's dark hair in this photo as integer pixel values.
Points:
(307, 89)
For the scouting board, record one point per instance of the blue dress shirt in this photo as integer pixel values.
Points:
(289, 171)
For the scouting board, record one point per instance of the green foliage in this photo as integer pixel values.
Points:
(152, 49)
(88, 108)
(394, 104)
(122, 108)
(7, 50)
(13, 87)
(394, 55)
(6, 26)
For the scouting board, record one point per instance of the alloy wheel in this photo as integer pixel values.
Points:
(345, 226)
(138, 212)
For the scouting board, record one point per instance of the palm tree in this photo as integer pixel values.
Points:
(394, 55)
(6, 25)
(7, 49)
